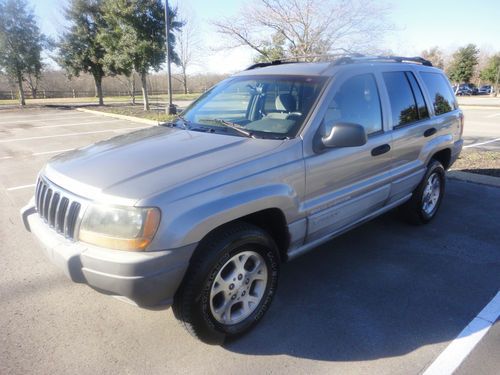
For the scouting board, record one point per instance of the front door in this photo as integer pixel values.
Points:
(344, 185)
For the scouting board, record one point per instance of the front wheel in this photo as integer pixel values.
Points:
(230, 283)
(427, 197)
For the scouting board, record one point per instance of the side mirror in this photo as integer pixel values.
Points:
(344, 134)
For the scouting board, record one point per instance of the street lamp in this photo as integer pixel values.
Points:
(170, 108)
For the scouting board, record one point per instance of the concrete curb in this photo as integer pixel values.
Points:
(118, 116)
(474, 177)
(479, 106)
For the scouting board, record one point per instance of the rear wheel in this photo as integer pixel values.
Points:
(230, 283)
(427, 197)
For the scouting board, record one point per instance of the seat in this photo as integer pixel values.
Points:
(285, 105)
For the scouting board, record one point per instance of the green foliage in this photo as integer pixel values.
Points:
(79, 49)
(274, 49)
(134, 37)
(21, 42)
(463, 64)
(491, 71)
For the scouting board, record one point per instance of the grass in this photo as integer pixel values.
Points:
(121, 99)
(480, 162)
(137, 111)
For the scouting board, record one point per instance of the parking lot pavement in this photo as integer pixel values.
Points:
(482, 128)
(28, 138)
(386, 298)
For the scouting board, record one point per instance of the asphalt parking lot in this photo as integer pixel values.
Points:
(482, 127)
(386, 298)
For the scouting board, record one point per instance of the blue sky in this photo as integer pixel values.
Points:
(418, 25)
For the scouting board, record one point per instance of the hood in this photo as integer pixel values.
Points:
(132, 166)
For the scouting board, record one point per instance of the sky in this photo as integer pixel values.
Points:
(418, 25)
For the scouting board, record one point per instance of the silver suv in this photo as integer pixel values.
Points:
(268, 164)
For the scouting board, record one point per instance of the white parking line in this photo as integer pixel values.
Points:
(493, 115)
(75, 124)
(44, 119)
(70, 134)
(449, 360)
(482, 143)
(6, 157)
(20, 187)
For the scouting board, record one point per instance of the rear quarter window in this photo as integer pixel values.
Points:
(440, 92)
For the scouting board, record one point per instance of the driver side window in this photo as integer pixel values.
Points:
(356, 101)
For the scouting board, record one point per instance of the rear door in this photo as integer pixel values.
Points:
(346, 184)
(410, 120)
(422, 109)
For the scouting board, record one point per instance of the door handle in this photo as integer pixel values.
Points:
(381, 150)
(429, 132)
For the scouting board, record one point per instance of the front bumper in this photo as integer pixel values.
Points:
(144, 278)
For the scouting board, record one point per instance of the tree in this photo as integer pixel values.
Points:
(435, 56)
(189, 45)
(79, 48)
(273, 49)
(491, 73)
(463, 64)
(21, 43)
(306, 27)
(135, 37)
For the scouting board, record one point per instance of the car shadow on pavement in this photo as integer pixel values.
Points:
(382, 290)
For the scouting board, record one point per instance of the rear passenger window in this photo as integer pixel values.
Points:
(357, 101)
(423, 112)
(403, 104)
(440, 92)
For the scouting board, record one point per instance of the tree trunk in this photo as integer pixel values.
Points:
(98, 89)
(144, 91)
(497, 80)
(184, 80)
(133, 88)
(33, 93)
(21, 91)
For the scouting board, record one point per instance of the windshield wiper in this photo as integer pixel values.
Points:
(229, 124)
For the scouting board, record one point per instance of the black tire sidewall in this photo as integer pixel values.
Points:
(218, 254)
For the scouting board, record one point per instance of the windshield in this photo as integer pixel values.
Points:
(263, 106)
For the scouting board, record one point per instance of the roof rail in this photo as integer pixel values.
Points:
(304, 58)
(264, 64)
(340, 59)
(399, 59)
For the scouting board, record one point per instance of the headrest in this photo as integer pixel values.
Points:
(285, 102)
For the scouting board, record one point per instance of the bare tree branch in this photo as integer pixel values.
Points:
(307, 27)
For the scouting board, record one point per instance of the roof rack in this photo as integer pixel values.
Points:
(399, 59)
(264, 64)
(340, 59)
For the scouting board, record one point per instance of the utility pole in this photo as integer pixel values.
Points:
(170, 108)
(497, 80)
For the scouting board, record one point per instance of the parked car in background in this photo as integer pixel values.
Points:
(485, 90)
(465, 89)
(201, 212)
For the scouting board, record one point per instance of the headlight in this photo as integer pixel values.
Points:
(121, 228)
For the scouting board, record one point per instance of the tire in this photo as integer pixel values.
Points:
(421, 209)
(230, 283)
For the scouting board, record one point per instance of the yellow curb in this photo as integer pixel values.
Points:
(118, 116)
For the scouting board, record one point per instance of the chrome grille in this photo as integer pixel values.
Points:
(56, 208)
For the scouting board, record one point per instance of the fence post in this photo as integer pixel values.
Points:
(44, 94)
(12, 95)
(74, 94)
